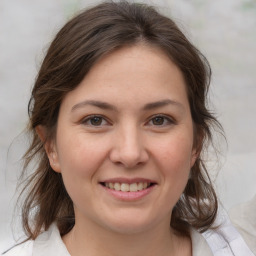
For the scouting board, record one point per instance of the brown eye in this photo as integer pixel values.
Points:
(96, 120)
(161, 120)
(158, 120)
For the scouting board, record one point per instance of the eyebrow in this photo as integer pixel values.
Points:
(161, 103)
(96, 103)
(107, 106)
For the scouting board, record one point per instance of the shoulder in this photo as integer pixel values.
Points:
(225, 239)
(50, 243)
(200, 246)
(24, 249)
(243, 218)
(244, 215)
(47, 243)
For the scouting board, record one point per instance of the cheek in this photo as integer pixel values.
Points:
(177, 151)
(79, 161)
(78, 155)
(174, 157)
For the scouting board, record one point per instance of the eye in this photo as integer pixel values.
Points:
(95, 121)
(160, 120)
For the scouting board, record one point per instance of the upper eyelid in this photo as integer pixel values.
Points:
(168, 117)
(87, 118)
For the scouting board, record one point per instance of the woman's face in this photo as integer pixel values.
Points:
(124, 141)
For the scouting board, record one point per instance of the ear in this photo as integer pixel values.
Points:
(197, 147)
(50, 148)
(194, 155)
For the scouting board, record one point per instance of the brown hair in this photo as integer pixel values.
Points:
(76, 48)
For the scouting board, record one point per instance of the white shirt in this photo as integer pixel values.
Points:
(226, 240)
(243, 218)
(49, 243)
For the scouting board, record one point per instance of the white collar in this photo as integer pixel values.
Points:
(50, 243)
(224, 241)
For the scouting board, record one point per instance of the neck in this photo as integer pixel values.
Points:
(97, 241)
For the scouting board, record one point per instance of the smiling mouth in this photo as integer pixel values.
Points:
(125, 187)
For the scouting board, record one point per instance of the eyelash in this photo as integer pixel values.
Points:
(166, 120)
(90, 118)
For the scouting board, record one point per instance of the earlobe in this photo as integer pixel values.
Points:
(53, 159)
(49, 147)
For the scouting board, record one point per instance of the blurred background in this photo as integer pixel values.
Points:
(225, 31)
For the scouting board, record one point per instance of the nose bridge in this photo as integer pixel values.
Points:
(130, 140)
(128, 146)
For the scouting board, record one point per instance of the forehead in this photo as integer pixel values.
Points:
(138, 73)
(135, 59)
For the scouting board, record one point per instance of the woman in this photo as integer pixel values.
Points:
(119, 120)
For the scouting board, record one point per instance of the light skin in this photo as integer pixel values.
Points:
(128, 121)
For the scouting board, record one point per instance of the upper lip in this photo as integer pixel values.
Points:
(127, 180)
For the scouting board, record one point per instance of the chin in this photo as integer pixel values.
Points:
(129, 228)
(131, 224)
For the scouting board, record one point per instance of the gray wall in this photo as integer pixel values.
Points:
(225, 31)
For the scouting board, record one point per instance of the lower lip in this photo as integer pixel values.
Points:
(129, 196)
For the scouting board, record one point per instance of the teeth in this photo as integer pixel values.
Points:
(117, 186)
(125, 187)
(133, 187)
(140, 186)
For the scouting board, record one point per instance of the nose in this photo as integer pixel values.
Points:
(128, 148)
